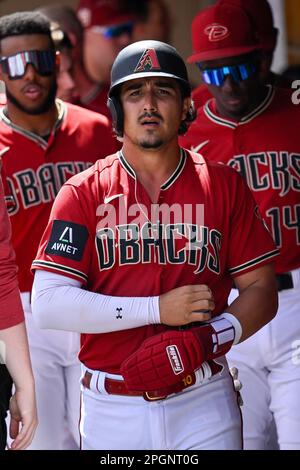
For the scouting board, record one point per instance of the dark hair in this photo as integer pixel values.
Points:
(23, 23)
(190, 117)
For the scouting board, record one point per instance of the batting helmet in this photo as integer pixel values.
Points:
(144, 59)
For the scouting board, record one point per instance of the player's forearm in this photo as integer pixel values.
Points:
(16, 356)
(60, 303)
(256, 304)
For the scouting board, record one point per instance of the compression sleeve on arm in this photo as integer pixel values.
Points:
(60, 303)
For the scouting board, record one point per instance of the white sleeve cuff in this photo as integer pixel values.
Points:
(236, 325)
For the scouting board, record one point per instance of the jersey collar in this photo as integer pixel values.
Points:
(175, 175)
(62, 111)
(233, 124)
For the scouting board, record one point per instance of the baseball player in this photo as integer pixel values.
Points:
(260, 14)
(251, 127)
(13, 348)
(43, 142)
(152, 237)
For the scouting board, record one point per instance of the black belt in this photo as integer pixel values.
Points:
(284, 281)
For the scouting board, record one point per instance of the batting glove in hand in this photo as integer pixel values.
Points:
(164, 360)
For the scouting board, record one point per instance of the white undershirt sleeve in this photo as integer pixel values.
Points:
(60, 303)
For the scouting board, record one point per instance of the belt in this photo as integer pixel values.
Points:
(284, 281)
(118, 387)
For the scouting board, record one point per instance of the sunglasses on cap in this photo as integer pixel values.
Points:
(217, 76)
(15, 65)
(115, 31)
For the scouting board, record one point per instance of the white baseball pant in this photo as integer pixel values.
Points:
(204, 416)
(269, 369)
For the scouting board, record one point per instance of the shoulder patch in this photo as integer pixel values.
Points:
(67, 239)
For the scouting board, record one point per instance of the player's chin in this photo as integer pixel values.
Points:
(151, 143)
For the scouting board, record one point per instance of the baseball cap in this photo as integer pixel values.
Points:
(93, 13)
(222, 31)
(261, 16)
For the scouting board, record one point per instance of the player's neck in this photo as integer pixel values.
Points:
(152, 167)
(40, 124)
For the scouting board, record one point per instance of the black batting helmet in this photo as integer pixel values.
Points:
(144, 59)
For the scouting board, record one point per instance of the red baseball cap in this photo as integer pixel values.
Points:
(101, 13)
(222, 31)
(261, 16)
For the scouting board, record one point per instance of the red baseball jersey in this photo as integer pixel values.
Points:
(104, 231)
(11, 312)
(265, 148)
(36, 168)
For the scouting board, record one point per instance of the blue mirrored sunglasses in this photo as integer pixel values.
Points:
(117, 30)
(218, 75)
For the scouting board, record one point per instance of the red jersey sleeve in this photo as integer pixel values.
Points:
(11, 312)
(66, 243)
(251, 242)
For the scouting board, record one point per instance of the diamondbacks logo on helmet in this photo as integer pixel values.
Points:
(148, 61)
(216, 32)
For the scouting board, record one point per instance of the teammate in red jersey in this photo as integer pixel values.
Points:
(13, 348)
(252, 128)
(260, 15)
(43, 142)
(137, 249)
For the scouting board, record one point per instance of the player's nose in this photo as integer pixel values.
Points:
(229, 84)
(150, 102)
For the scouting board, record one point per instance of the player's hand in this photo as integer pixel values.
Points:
(162, 361)
(166, 359)
(22, 409)
(185, 305)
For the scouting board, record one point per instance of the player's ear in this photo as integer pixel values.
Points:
(186, 106)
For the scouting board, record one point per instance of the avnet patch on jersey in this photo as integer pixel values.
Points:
(67, 240)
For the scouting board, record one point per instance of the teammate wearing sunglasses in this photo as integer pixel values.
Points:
(253, 128)
(107, 29)
(43, 141)
(260, 14)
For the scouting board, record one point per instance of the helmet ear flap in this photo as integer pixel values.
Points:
(116, 112)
